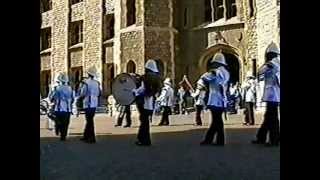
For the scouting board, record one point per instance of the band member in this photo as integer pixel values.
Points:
(90, 93)
(216, 83)
(181, 93)
(270, 73)
(124, 111)
(199, 95)
(51, 112)
(249, 94)
(150, 86)
(62, 96)
(166, 101)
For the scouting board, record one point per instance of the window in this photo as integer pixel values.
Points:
(219, 9)
(45, 38)
(185, 17)
(207, 11)
(76, 32)
(251, 8)
(75, 1)
(45, 5)
(108, 25)
(254, 67)
(231, 8)
(131, 12)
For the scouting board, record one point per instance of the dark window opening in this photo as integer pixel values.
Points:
(218, 10)
(76, 32)
(45, 5)
(131, 12)
(108, 31)
(254, 67)
(207, 11)
(45, 38)
(45, 81)
(75, 1)
(251, 6)
(185, 17)
(76, 76)
(232, 9)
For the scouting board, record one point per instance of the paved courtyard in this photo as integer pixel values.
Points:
(174, 155)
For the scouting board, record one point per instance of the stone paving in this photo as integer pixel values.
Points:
(174, 155)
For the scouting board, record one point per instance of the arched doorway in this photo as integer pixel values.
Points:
(131, 67)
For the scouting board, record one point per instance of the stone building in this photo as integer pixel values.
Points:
(182, 35)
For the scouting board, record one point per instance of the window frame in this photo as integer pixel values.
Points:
(131, 13)
(76, 32)
(45, 5)
(217, 9)
(46, 38)
(75, 2)
(108, 27)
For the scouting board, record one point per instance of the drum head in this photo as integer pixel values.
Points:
(122, 87)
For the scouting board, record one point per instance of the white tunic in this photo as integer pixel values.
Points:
(91, 92)
(271, 76)
(166, 97)
(62, 96)
(250, 91)
(148, 100)
(217, 86)
(199, 95)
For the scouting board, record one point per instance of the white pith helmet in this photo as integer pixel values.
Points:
(167, 81)
(152, 65)
(273, 48)
(92, 71)
(62, 77)
(219, 58)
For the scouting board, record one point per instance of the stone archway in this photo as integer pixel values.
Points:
(232, 58)
(131, 67)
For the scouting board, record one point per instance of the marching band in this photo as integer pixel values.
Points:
(147, 91)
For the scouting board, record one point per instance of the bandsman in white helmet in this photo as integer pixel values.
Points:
(62, 96)
(249, 94)
(51, 113)
(270, 74)
(200, 103)
(90, 92)
(150, 86)
(216, 81)
(166, 99)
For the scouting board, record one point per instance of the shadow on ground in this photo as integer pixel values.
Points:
(173, 156)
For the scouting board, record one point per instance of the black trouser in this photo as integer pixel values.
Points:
(165, 115)
(144, 129)
(249, 113)
(89, 134)
(199, 109)
(124, 111)
(216, 126)
(270, 124)
(62, 123)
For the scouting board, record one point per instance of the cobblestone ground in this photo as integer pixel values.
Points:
(174, 155)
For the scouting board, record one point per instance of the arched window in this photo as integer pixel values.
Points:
(131, 67)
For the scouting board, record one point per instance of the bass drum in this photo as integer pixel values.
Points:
(122, 87)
